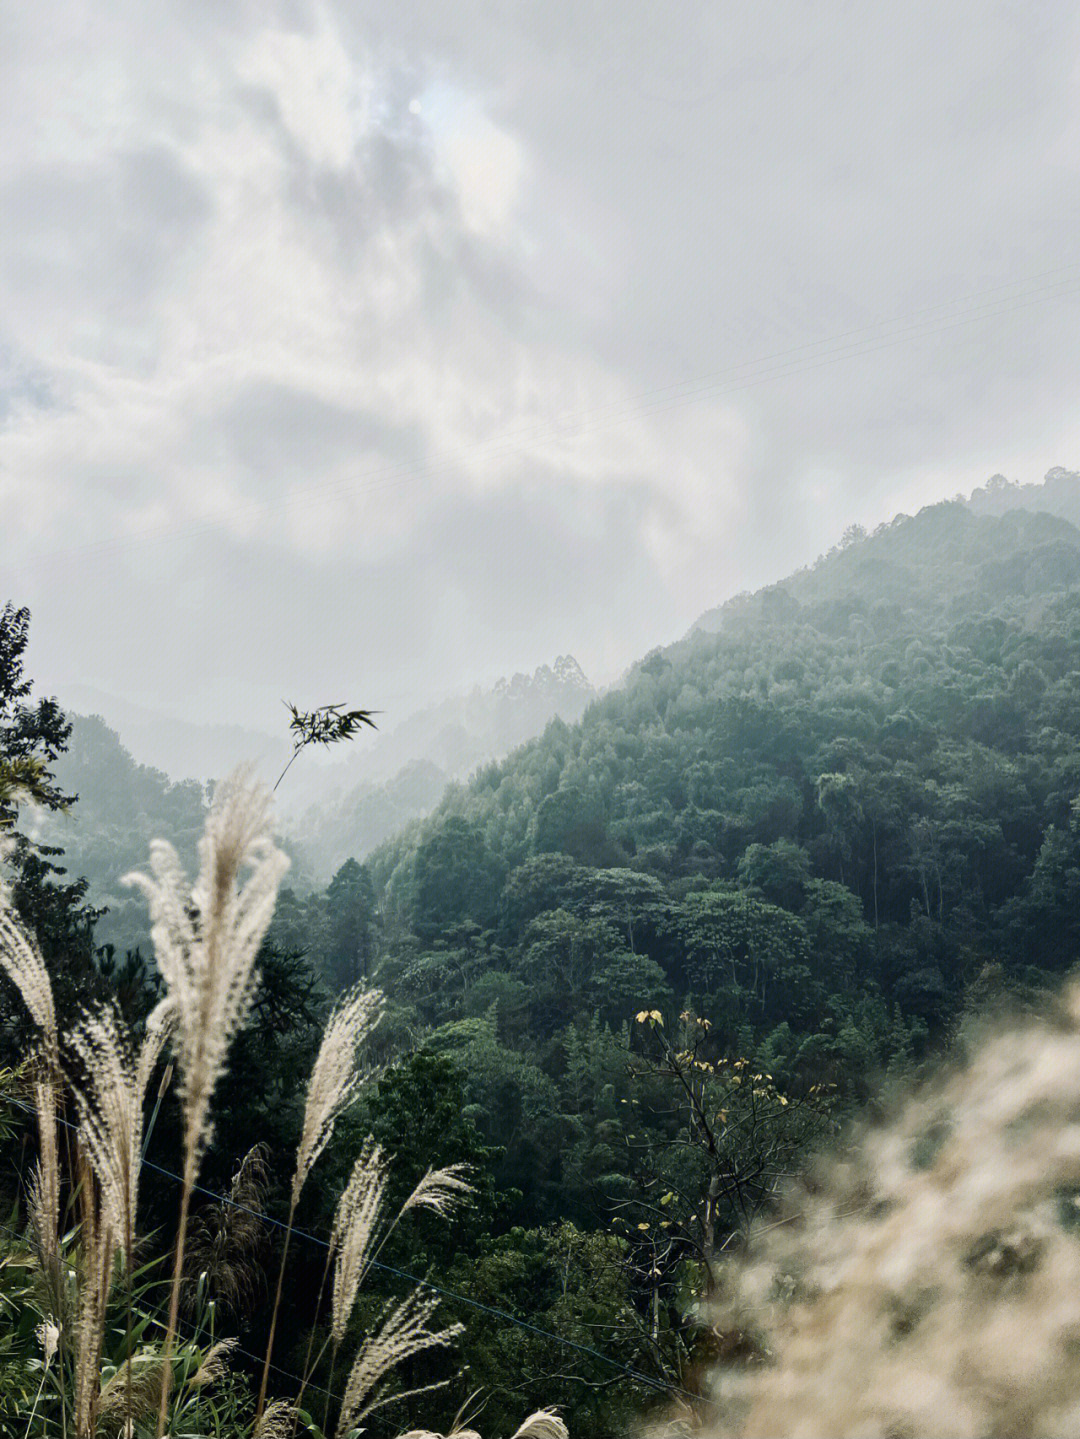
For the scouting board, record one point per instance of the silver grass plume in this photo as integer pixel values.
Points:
(542, 1424)
(22, 961)
(215, 1363)
(431, 1434)
(277, 1421)
(206, 938)
(927, 1282)
(360, 1229)
(205, 942)
(109, 1102)
(355, 1232)
(133, 1391)
(440, 1189)
(403, 1334)
(335, 1076)
(97, 1248)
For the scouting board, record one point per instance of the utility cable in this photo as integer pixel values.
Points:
(626, 1370)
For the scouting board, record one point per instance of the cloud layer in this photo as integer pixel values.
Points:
(384, 350)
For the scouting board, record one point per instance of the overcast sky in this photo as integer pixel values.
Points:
(365, 351)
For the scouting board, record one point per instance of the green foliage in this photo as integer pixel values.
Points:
(323, 726)
(832, 819)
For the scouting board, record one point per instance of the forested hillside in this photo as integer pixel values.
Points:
(635, 969)
(347, 809)
(825, 821)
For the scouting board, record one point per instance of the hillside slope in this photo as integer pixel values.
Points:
(351, 807)
(829, 818)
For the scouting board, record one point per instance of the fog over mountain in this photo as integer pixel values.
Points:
(662, 422)
(372, 352)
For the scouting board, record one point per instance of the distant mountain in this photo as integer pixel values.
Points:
(353, 806)
(1059, 494)
(122, 805)
(910, 564)
(179, 748)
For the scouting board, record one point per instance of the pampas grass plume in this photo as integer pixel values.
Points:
(542, 1424)
(109, 1102)
(403, 1334)
(206, 938)
(335, 1077)
(929, 1281)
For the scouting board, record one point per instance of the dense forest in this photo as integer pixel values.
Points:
(634, 970)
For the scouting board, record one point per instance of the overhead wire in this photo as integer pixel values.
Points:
(626, 1370)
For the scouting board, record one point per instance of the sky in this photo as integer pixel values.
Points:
(363, 352)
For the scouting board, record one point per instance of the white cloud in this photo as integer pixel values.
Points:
(303, 281)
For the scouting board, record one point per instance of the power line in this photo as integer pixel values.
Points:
(193, 1333)
(847, 344)
(503, 1314)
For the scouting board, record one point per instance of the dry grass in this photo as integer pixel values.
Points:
(22, 961)
(335, 1079)
(929, 1284)
(226, 1239)
(335, 1076)
(109, 1100)
(355, 1233)
(206, 937)
(403, 1334)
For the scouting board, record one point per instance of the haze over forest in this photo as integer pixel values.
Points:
(539, 720)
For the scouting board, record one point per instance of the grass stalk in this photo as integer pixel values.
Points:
(261, 1403)
(174, 1297)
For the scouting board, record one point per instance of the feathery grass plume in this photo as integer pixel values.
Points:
(97, 1248)
(109, 1101)
(206, 938)
(355, 1232)
(403, 1334)
(542, 1424)
(48, 1336)
(109, 1098)
(928, 1283)
(431, 1434)
(205, 944)
(22, 961)
(215, 1363)
(440, 1189)
(335, 1078)
(360, 1229)
(133, 1391)
(225, 1239)
(277, 1421)
(460, 1428)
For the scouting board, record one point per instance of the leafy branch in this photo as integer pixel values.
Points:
(325, 725)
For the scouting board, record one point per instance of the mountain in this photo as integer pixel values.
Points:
(943, 557)
(178, 747)
(1059, 494)
(354, 805)
(829, 820)
(122, 805)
